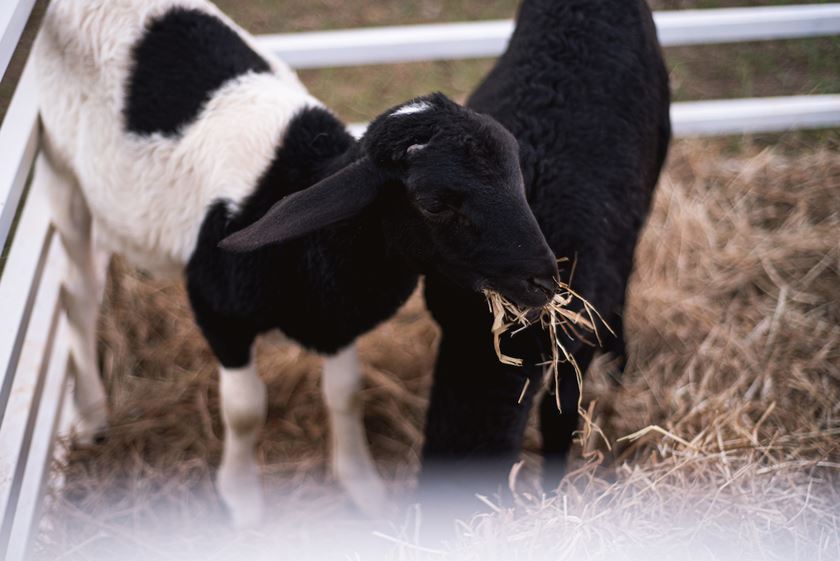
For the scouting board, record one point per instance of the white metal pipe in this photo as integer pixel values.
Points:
(731, 25)
(741, 116)
(17, 428)
(26, 261)
(38, 463)
(18, 145)
(381, 45)
(744, 116)
(13, 17)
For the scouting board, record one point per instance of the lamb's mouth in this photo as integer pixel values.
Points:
(530, 293)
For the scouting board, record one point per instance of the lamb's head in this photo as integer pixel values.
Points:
(450, 190)
(460, 209)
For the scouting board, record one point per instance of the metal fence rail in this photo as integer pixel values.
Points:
(408, 43)
(34, 347)
(741, 116)
(18, 144)
(13, 17)
(746, 116)
(23, 440)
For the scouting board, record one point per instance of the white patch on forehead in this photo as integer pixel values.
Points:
(412, 108)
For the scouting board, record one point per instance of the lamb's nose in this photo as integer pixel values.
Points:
(547, 285)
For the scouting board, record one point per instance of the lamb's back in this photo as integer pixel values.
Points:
(584, 89)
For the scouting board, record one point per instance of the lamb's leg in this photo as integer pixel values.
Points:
(80, 294)
(351, 458)
(244, 405)
(558, 425)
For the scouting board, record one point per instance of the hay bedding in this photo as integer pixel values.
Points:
(730, 405)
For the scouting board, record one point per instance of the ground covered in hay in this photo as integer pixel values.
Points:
(723, 440)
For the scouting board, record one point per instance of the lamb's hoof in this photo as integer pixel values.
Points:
(92, 437)
(366, 489)
(374, 504)
(92, 429)
(244, 516)
(241, 492)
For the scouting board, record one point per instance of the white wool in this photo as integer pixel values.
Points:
(148, 194)
(412, 108)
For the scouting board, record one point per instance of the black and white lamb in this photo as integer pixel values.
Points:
(166, 130)
(583, 88)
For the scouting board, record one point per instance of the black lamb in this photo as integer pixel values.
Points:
(583, 88)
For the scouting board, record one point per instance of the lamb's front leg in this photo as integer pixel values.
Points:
(244, 405)
(243, 400)
(351, 459)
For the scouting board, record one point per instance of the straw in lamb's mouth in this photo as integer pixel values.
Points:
(555, 315)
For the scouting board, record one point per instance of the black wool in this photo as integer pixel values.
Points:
(183, 57)
(583, 88)
(323, 289)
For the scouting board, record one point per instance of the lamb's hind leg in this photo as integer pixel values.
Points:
(80, 294)
(351, 459)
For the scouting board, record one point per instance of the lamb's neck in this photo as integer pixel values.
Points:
(357, 271)
(349, 270)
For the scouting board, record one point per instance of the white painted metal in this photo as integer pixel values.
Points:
(25, 402)
(731, 25)
(382, 45)
(742, 116)
(18, 144)
(27, 515)
(19, 284)
(13, 17)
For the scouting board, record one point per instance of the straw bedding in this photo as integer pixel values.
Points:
(723, 439)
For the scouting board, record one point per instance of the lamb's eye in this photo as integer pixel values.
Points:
(434, 207)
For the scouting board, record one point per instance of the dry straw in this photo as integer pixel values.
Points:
(731, 396)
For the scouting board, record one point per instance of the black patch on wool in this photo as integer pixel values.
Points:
(322, 290)
(184, 56)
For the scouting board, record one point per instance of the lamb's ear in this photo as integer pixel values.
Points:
(338, 197)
